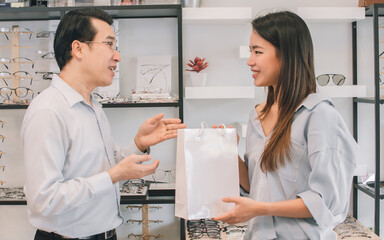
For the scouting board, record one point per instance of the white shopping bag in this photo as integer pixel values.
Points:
(206, 171)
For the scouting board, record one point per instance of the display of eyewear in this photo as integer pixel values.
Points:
(351, 229)
(102, 99)
(144, 221)
(46, 54)
(20, 75)
(135, 208)
(45, 34)
(47, 75)
(21, 92)
(2, 123)
(1, 154)
(21, 60)
(337, 79)
(160, 174)
(2, 138)
(16, 28)
(134, 187)
(133, 236)
(15, 193)
(197, 228)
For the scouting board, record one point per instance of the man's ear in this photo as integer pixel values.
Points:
(77, 49)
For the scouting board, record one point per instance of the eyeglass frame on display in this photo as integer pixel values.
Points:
(14, 90)
(17, 76)
(142, 236)
(45, 32)
(138, 208)
(26, 30)
(46, 75)
(329, 76)
(170, 173)
(14, 61)
(144, 221)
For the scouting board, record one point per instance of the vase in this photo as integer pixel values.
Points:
(195, 79)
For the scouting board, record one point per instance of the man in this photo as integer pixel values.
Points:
(72, 176)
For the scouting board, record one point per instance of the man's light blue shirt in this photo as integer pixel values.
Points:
(323, 159)
(68, 149)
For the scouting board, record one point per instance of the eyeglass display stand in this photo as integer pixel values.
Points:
(145, 218)
(15, 36)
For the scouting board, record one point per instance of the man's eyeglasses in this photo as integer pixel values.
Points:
(337, 79)
(2, 123)
(21, 75)
(110, 44)
(2, 138)
(21, 60)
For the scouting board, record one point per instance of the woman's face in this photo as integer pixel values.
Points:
(263, 61)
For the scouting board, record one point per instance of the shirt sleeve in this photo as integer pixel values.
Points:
(332, 155)
(45, 143)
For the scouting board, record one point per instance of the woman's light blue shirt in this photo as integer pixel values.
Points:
(323, 159)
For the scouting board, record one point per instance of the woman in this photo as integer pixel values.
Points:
(300, 156)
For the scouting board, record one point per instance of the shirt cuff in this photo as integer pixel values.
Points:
(316, 206)
(101, 184)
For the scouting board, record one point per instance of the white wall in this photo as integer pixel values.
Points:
(219, 44)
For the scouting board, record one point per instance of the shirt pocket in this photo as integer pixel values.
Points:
(290, 171)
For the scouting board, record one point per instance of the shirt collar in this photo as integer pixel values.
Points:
(70, 94)
(314, 99)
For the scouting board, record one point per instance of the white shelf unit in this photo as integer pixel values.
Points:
(212, 15)
(344, 91)
(241, 128)
(229, 92)
(331, 14)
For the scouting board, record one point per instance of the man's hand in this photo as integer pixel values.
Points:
(131, 168)
(155, 130)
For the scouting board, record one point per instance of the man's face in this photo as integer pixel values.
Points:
(100, 59)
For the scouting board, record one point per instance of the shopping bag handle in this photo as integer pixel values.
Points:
(204, 124)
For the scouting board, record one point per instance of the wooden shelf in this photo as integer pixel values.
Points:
(219, 92)
(331, 14)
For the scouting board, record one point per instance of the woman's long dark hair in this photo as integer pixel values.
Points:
(292, 40)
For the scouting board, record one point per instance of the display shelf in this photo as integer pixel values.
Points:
(232, 15)
(219, 92)
(55, 13)
(344, 91)
(367, 190)
(331, 14)
(369, 100)
(106, 105)
(124, 200)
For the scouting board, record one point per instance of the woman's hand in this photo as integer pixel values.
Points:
(222, 126)
(244, 210)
